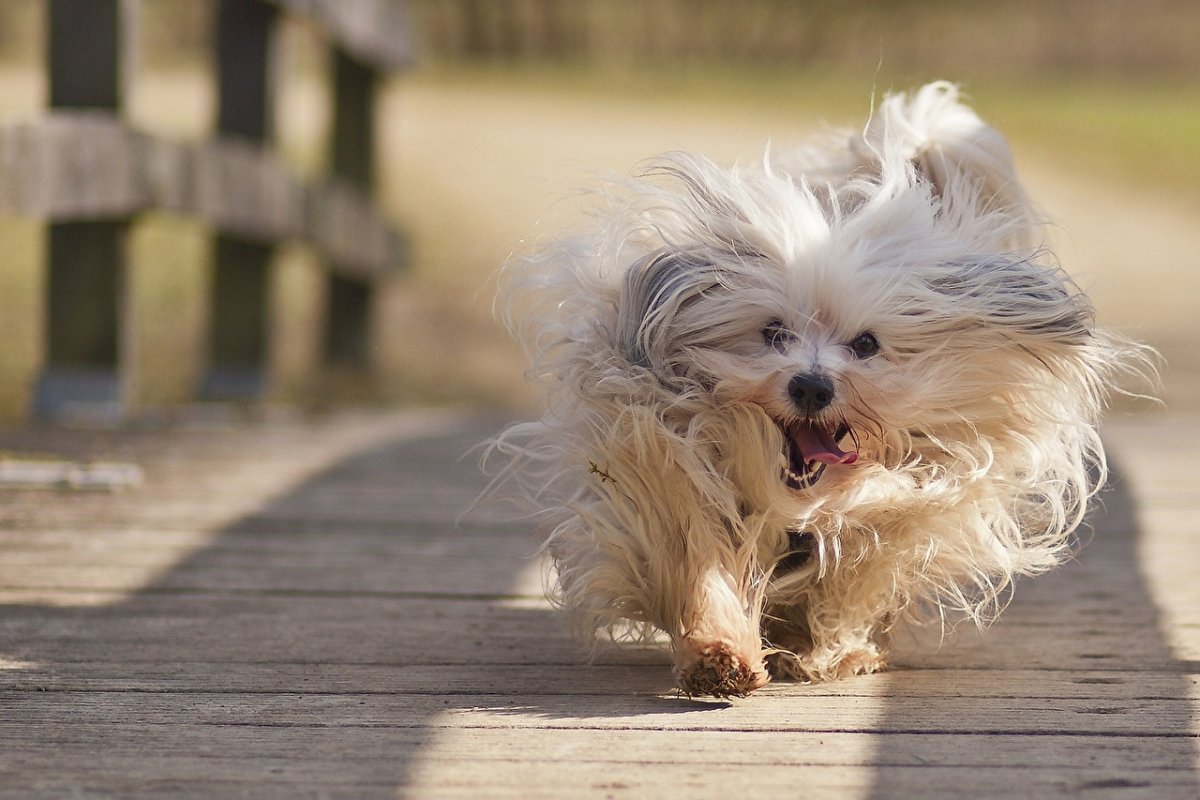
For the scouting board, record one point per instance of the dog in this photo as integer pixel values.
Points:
(793, 404)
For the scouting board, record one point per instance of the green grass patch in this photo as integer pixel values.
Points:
(1148, 133)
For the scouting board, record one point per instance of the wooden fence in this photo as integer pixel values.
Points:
(86, 171)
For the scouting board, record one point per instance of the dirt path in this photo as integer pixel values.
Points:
(481, 167)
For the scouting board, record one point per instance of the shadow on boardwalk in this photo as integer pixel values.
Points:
(322, 645)
(1054, 643)
(303, 651)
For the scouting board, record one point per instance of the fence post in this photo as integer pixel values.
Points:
(238, 340)
(87, 370)
(349, 302)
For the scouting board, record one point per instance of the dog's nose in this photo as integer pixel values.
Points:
(811, 392)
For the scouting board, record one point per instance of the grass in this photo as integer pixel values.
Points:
(21, 291)
(1148, 133)
(1138, 128)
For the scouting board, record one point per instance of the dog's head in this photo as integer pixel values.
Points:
(890, 314)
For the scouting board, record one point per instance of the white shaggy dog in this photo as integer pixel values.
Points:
(790, 405)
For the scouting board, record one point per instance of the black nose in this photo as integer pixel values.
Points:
(811, 392)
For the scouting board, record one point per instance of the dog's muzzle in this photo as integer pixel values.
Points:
(809, 447)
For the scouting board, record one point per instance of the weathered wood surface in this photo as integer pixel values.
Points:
(291, 610)
(74, 165)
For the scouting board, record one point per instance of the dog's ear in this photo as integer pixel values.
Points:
(951, 148)
(652, 293)
(1029, 302)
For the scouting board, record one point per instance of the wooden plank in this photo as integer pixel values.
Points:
(619, 674)
(340, 222)
(71, 165)
(333, 625)
(467, 778)
(1158, 719)
(244, 190)
(82, 165)
(452, 563)
(494, 763)
(409, 575)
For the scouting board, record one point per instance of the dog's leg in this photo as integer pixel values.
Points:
(853, 651)
(823, 645)
(719, 651)
(606, 577)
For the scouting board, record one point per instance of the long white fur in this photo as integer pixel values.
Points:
(656, 466)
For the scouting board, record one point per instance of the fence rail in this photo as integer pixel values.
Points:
(79, 165)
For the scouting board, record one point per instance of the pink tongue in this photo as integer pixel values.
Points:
(816, 444)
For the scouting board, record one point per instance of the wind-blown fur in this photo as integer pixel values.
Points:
(949, 444)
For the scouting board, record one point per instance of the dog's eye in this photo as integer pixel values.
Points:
(776, 334)
(864, 345)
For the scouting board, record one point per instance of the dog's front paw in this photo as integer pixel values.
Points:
(716, 669)
(829, 664)
(860, 662)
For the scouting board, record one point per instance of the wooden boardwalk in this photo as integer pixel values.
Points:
(289, 610)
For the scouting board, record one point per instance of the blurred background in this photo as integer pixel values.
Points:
(505, 106)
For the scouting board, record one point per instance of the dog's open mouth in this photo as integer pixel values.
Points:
(808, 448)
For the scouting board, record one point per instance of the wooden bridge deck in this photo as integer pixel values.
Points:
(288, 610)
